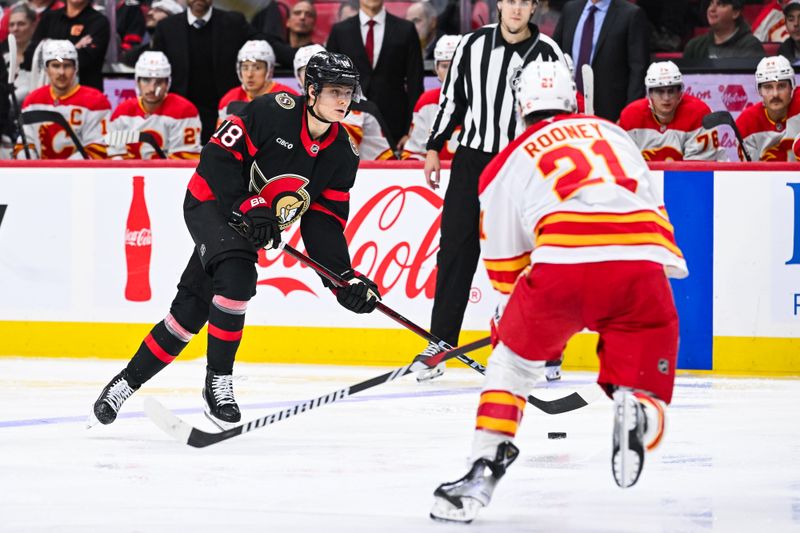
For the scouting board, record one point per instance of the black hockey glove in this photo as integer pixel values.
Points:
(254, 220)
(361, 295)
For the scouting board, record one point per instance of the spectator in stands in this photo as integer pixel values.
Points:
(769, 127)
(612, 37)
(254, 65)
(730, 35)
(159, 10)
(790, 48)
(38, 6)
(85, 109)
(427, 107)
(770, 25)
(86, 28)
(299, 28)
(546, 16)
(130, 24)
(172, 120)
(269, 21)
(423, 15)
(668, 22)
(202, 45)
(386, 52)
(21, 24)
(347, 9)
(667, 125)
(361, 123)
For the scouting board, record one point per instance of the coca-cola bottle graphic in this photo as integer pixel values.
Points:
(138, 246)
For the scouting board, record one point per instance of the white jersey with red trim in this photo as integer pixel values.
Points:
(684, 138)
(85, 109)
(425, 111)
(366, 132)
(766, 140)
(770, 24)
(175, 125)
(572, 189)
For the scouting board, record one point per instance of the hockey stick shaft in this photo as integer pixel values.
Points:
(561, 405)
(183, 432)
(12, 88)
(724, 118)
(588, 88)
(41, 115)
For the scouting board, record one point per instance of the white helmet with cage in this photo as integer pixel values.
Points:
(545, 86)
(153, 65)
(303, 55)
(59, 50)
(663, 74)
(255, 51)
(774, 68)
(445, 48)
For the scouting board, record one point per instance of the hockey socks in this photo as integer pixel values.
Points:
(164, 343)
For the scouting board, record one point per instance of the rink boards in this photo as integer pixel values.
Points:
(63, 267)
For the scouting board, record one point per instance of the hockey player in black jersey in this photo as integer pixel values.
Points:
(282, 158)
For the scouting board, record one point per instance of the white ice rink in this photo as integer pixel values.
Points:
(730, 461)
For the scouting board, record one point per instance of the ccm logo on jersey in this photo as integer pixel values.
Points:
(285, 144)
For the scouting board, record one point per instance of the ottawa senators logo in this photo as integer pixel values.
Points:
(284, 100)
(286, 194)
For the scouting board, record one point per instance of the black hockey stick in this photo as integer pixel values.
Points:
(569, 402)
(187, 434)
(724, 118)
(149, 138)
(12, 78)
(40, 115)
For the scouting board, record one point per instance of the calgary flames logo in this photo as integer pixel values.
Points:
(286, 194)
(144, 150)
(665, 153)
(778, 152)
(54, 142)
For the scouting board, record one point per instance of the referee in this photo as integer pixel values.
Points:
(476, 95)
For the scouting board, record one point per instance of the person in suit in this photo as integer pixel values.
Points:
(612, 37)
(201, 46)
(387, 54)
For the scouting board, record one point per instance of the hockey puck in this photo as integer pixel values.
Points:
(556, 435)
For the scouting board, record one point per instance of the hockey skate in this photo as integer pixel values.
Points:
(638, 427)
(430, 373)
(114, 394)
(552, 370)
(219, 404)
(460, 501)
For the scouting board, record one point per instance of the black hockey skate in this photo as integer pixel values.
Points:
(552, 369)
(639, 422)
(219, 404)
(114, 394)
(429, 373)
(460, 501)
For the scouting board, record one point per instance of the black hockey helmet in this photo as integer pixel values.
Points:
(328, 68)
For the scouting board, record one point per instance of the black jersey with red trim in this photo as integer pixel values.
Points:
(266, 149)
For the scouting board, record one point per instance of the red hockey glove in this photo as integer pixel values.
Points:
(361, 295)
(254, 220)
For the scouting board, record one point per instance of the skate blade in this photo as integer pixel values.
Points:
(429, 374)
(91, 420)
(444, 511)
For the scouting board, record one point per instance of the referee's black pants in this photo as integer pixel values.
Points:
(459, 245)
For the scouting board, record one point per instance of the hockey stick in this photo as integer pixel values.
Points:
(187, 434)
(124, 137)
(41, 115)
(588, 89)
(551, 407)
(724, 118)
(13, 67)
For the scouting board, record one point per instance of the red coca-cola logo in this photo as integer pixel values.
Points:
(142, 237)
(395, 258)
(734, 97)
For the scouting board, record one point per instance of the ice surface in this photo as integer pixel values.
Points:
(729, 462)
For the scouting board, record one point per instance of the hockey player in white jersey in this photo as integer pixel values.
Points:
(85, 109)
(667, 125)
(574, 234)
(171, 120)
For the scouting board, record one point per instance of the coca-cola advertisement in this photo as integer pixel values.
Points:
(138, 245)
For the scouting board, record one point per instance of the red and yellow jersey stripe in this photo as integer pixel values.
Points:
(503, 272)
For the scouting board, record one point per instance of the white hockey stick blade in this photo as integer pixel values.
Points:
(588, 89)
(168, 422)
(13, 68)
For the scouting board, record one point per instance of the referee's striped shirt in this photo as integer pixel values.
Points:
(477, 92)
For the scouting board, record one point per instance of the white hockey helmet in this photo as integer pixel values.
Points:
(303, 55)
(663, 74)
(59, 50)
(153, 64)
(545, 86)
(255, 51)
(445, 48)
(774, 68)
